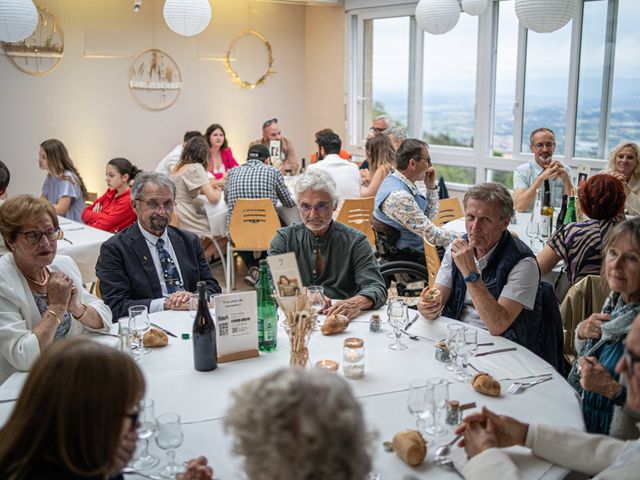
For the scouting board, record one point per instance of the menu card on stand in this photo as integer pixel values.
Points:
(237, 325)
(274, 153)
(286, 277)
(583, 174)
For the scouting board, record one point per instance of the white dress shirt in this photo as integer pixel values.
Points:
(345, 174)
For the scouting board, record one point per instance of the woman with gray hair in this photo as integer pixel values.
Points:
(624, 163)
(297, 424)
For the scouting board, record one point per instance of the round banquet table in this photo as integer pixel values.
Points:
(201, 398)
(82, 243)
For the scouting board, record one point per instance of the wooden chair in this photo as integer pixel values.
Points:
(448, 209)
(253, 224)
(357, 213)
(433, 262)
(174, 219)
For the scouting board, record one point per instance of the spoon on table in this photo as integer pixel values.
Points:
(443, 450)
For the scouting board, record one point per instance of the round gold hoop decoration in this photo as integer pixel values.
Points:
(234, 74)
(155, 80)
(40, 53)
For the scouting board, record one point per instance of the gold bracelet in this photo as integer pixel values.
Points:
(55, 315)
(84, 311)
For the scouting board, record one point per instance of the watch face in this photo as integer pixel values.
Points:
(472, 277)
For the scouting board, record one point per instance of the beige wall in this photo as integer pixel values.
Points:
(86, 102)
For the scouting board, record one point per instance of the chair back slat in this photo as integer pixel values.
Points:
(357, 213)
(448, 209)
(253, 224)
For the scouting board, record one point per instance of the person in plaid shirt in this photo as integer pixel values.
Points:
(255, 179)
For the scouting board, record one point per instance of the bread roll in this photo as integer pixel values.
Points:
(410, 447)
(334, 324)
(486, 384)
(155, 338)
(430, 295)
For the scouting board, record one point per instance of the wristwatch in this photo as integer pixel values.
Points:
(472, 277)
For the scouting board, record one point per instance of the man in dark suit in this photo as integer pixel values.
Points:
(152, 263)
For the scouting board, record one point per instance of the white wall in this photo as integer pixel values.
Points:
(86, 102)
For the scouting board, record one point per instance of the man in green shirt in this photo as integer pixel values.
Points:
(329, 253)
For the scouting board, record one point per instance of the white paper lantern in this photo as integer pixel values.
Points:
(474, 7)
(187, 17)
(437, 16)
(545, 16)
(18, 19)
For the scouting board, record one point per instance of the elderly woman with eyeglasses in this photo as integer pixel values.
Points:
(41, 295)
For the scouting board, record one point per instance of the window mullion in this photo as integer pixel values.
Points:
(416, 68)
(607, 77)
(518, 107)
(574, 75)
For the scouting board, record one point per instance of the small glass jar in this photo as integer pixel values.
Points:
(374, 323)
(454, 414)
(442, 352)
(353, 358)
(328, 365)
(124, 337)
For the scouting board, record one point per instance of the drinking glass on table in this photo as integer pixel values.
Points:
(392, 301)
(315, 294)
(533, 230)
(437, 401)
(467, 351)
(193, 305)
(398, 319)
(169, 437)
(417, 401)
(451, 342)
(146, 428)
(139, 323)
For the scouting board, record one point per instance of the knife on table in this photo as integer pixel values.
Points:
(165, 330)
(413, 320)
(500, 350)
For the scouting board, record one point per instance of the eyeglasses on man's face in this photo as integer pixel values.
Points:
(167, 206)
(320, 208)
(426, 159)
(540, 146)
(269, 122)
(377, 130)
(34, 236)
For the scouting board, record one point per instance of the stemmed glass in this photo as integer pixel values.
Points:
(398, 319)
(315, 294)
(453, 330)
(468, 351)
(139, 323)
(169, 437)
(417, 401)
(147, 426)
(533, 230)
(437, 401)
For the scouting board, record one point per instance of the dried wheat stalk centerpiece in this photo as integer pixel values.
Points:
(300, 322)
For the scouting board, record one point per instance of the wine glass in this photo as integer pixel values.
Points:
(392, 301)
(469, 349)
(146, 427)
(533, 230)
(315, 294)
(398, 319)
(169, 437)
(193, 305)
(453, 330)
(139, 323)
(417, 401)
(437, 401)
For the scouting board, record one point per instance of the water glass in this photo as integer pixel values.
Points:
(398, 319)
(193, 305)
(146, 428)
(453, 331)
(417, 401)
(533, 230)
(315, 294)
(467, 352)
(169, 437)
(139, 323)
(437, 401)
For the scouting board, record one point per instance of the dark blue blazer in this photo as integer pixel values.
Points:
(128, 276)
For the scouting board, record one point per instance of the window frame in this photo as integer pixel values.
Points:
(480, 155)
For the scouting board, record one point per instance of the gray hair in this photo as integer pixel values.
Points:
(385, 118)
(495, 193)
(297, 424)
(398, 132)
(317, 180)
(151, 177)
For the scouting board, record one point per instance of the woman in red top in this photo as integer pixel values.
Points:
(112, 211)
(221, 159)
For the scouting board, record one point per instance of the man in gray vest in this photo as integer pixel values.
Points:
(401, 206)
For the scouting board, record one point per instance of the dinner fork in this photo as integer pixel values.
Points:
(518, 387)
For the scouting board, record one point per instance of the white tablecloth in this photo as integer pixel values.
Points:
(201, 398)
(82, 243)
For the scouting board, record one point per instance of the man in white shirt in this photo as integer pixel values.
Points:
(343, 172)
(485, 434)
(530, 176)
(167, 164)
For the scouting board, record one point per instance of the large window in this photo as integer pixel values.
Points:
(476, 92)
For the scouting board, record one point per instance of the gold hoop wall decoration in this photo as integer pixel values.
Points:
(40, 53)
(155, 80)
(234, 75)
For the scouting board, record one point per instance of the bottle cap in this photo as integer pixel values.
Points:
(185, 336)
(263, 263)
